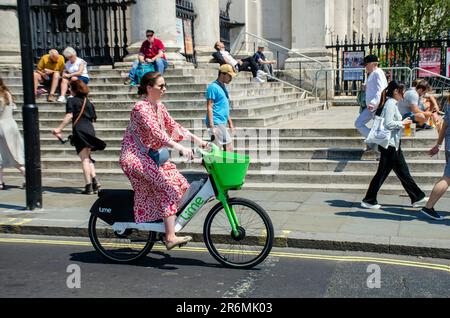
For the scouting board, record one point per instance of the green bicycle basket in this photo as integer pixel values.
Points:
(227, 168)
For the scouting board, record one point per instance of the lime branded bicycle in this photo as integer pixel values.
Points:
(237, 232)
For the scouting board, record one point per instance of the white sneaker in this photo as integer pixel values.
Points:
(261, 73)
(421, 203)
(62, 99)
(258, 80)
(366, 205)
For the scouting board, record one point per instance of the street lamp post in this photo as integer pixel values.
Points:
(30, 112)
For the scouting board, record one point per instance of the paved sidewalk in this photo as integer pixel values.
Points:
(301, 219)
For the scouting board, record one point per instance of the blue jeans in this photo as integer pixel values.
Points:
(133, 69)
(160, 65)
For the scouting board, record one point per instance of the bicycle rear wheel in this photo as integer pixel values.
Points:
(255, 239)
(120, 248)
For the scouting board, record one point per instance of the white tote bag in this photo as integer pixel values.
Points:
(379, 134)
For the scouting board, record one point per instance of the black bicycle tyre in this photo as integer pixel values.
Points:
(99, 248)
(216, 254)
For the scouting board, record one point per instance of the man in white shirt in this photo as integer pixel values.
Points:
(222, 56)
(375, 85)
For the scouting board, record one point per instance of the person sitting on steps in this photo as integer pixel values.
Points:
(248, 64)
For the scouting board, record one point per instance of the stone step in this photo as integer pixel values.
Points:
(108, 92)
(170, 104)
(257, 121)
(200, 104)
(171, 80)
(60, 151)
(264, 132)
(198, 99)
(195, 87)
(194, 112)
(123, 72)
(284, 142)
(266, 177)
(316, 165)
(234, 94)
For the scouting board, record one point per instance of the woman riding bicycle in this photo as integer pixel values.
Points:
(158, 186)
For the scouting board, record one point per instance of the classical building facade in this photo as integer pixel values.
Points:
(116, 28)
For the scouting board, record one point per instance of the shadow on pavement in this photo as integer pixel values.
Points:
(398, 215)
(12, 207)
(63, 190)
(168, 262)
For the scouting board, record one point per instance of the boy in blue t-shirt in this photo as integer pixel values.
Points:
(218, 108)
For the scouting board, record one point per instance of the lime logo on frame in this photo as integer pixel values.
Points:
(193, 208)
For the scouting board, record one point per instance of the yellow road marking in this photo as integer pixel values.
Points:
(24, 221)
(440, 267)
(9, 221)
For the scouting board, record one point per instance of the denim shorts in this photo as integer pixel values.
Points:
(84, 79)
(410, 115)
(447, 165)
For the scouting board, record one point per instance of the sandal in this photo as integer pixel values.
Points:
(179, 242)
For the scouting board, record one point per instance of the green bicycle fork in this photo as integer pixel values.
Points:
(234, 222)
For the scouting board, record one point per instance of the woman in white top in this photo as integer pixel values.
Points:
(11, 142)
(392, 157)
(75, 69)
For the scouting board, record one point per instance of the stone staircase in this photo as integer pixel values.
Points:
(254, 106)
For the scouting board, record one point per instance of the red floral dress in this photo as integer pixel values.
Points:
(157, 190)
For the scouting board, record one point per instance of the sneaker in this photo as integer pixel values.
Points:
(366, 205)
(421, 203)
(51, 98)
(62, 99)
(371, 147)
(127, 81)
(258, 80)
(432, 214)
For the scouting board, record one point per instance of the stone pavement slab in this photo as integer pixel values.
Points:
(318, 220)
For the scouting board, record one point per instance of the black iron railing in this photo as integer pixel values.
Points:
(225, 26)
(185, 12)
(97, 29)
(393, 51)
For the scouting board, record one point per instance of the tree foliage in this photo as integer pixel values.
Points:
(419, 17)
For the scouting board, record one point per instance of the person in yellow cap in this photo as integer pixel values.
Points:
(218, 108)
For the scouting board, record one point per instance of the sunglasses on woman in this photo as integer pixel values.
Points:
(161, 86)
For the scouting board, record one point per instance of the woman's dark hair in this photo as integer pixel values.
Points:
(149, 79)
(423, 85)
(389, 92)
(79, 88)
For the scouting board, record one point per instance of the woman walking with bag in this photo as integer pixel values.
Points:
(11, 142)
(81, 112)
(158, 185)
(392, 157)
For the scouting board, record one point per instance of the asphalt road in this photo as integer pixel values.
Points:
(36, 266)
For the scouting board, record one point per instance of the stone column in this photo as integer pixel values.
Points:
(341, 19)
(310, 22)
(206, 28)
(9, 34)
(159, 16)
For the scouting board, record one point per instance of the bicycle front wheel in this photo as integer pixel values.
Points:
(255, 238)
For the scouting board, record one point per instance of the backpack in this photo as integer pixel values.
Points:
(141, 70)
